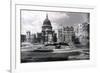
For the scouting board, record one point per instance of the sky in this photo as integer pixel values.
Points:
(33, 20)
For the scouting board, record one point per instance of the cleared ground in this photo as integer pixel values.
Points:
(41, 53)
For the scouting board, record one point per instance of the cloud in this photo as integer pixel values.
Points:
(54, 16)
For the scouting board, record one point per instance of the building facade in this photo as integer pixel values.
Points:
(65, 34)
(82, 32)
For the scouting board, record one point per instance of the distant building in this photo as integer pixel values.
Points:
(33, 38)
(60, 35)
(23, 38)
(54, 37)
(28, 36)
(39, 38)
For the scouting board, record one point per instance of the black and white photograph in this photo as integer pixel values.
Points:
(47, 36)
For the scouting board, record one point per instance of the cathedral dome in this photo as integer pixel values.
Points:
(46, 21)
